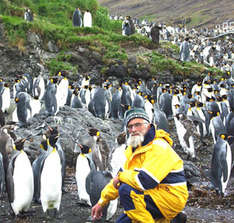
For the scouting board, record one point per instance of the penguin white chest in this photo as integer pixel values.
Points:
(36, 106)
(23, 183)
(6, 99)
(51, 182)
(82, 171)
(62, 91)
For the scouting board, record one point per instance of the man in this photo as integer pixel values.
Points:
(154, 33)
(152, 186)
(28, 16)
(128, 27)
(185, 50)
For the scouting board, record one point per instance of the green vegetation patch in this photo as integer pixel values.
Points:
(61, 62)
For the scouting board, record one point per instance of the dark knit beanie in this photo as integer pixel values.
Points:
(135, 113)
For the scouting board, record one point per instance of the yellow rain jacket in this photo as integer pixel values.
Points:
(155, 169)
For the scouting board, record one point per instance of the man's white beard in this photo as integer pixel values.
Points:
(135, 141)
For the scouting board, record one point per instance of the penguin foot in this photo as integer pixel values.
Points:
(25, 214)
(37, 201)
(57, 214)
(52, 214)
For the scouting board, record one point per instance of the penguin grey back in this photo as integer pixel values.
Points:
(2, 176)
(23, 105)
(100, 103)
(95, 182)
(50, 99)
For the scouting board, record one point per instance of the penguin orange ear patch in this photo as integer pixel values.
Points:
(98, 133)
(222, 136)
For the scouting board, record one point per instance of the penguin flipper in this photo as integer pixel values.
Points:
(37, 168)
(2, 174)
(224, 166)
(10, 180)
(63, 164)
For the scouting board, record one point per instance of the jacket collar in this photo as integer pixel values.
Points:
(150, 135)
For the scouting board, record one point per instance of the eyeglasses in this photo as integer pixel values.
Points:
(136, 125)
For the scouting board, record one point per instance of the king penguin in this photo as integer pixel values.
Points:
(87, 19)
(6, 98)
(38, 87)
(186, 130)
(23, 109)
(62, 90)
(221, 164)
(75, 99)
(100, 104)
(115, 104)
(95, 182)
(117, 158)
(51, 178)
(216, 125)
(101, 147)
(165, 103)
(50, 99)
(20, 185)
(6, 148)
(28, 82)
(83, 167)
(160, 119)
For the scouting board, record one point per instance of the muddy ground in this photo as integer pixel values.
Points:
(203, 204)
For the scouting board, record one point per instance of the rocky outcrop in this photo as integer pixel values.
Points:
(72, 124)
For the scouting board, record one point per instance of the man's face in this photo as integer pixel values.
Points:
(137, 129)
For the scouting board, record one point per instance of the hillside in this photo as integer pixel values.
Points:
(195, 12)
(57, 45)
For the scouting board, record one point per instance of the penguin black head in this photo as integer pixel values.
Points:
(6, 85)
(84, 149)
(52, 131)
(94, 132)
(17, 80)
(53, 139)
(121, 139)
(19, 144)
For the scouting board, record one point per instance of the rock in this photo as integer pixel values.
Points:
(52, 47)
(72, 124)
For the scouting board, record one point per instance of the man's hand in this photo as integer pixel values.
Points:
(116, 182)
(96, 212)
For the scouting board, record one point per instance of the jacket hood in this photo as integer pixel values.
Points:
(156, 133)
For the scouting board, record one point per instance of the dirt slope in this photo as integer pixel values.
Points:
(199, 11)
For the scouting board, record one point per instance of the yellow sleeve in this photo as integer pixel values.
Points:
(129, 177)
(108, 193)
